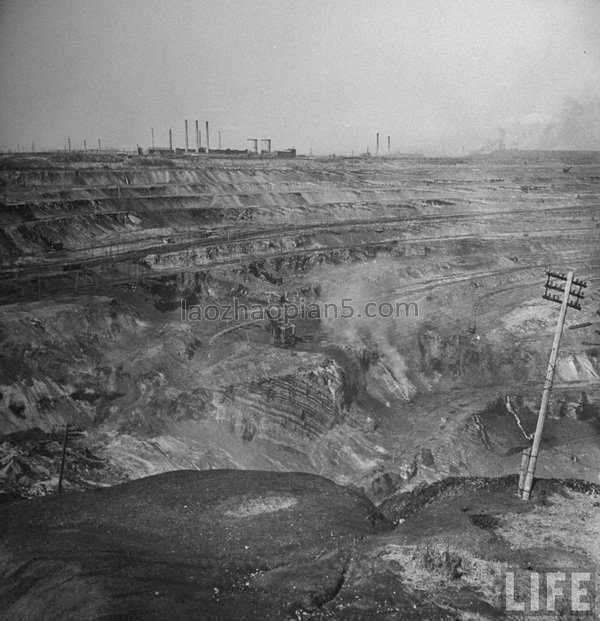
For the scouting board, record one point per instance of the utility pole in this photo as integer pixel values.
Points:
(571, 289)
(63, 458)
(69, 432)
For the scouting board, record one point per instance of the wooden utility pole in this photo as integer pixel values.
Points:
(69, 432)
(62, 461)
(569, 289)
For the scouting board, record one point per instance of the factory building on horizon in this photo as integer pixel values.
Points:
(257, 148)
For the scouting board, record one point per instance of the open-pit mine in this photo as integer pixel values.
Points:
(390, 353)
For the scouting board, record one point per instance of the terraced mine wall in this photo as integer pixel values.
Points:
(99, 257)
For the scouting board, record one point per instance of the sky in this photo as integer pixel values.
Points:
(323, 76)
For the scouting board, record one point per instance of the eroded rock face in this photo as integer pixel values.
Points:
(291, 410)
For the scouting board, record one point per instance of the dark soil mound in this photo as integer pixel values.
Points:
(215, 544)
(405, 504)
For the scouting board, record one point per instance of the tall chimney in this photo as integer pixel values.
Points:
(197, 138)
(377, 147)
(171, 140)
(69, 142)
(85, 146)
(389, 144)
(186, 137)
(99, 145)
(153, 137)
(219, 140)
(207, 139)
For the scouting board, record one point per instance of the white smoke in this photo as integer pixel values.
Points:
(575, 126)
(374, 281)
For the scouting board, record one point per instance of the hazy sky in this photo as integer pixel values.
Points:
(435, 75)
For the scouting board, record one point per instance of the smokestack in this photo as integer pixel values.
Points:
(85, 146)
(377, 147)
(99, 145)
(69, 143)
(389, 144)
(171, 140)
(207, 138)
(153, 137)
(219, 140)
(197, 138)
(186, 137)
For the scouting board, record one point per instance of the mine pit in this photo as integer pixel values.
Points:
(291, 377)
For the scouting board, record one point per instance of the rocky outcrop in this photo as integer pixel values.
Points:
(293, 410)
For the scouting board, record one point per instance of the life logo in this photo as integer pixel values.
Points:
(551, 592)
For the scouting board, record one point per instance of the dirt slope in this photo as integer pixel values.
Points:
(250, 545)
